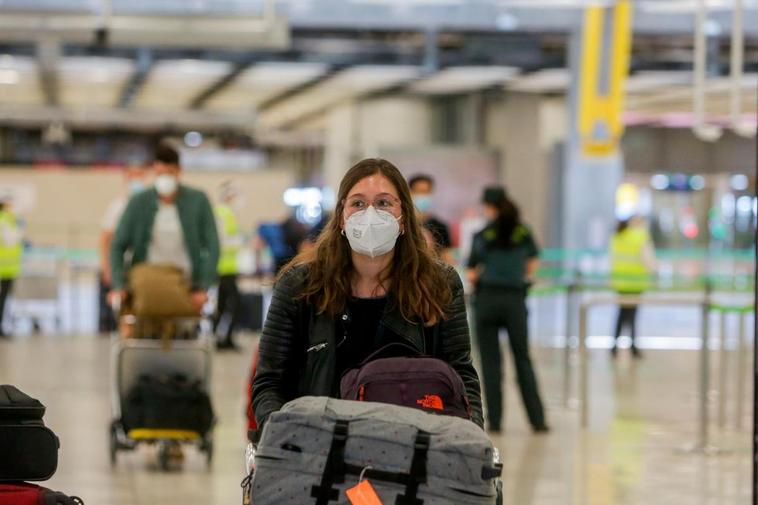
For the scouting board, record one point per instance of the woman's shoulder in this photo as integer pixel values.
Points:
(450, 274)
(293, 278)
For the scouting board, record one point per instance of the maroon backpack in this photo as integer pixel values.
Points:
(420, 382)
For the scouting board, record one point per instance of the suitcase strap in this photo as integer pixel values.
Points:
(411, 480)
(334, 470)
(417, 475)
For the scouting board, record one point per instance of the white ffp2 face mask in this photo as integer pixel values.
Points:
(372, 232)
(166, 184)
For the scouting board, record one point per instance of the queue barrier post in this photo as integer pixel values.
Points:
(571, 290)
(584, 368)
(742, 312)
(702, 443)
(741, 372)
(722, 368)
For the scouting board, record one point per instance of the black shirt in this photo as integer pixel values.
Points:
(360, 335)
(440, 233)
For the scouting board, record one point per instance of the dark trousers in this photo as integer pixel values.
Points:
(106, 320)
(227, 311)
(501, 308)
(6, 285)
(627, 317)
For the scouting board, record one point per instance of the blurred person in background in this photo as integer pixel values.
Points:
(632, 263)
(227, 310)
(284, 239)
(168, 224)
(501, 266)
(422, 192)
(370, 281)
(134, 179)
(11, 251)
(295, 234)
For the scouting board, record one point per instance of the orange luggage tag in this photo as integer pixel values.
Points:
(364, 493)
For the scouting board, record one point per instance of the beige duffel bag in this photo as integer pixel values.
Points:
(159, 291)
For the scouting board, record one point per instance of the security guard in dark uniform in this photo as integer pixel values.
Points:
(503, 259)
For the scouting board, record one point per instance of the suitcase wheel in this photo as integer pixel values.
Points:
(113, 444)
(207, 448)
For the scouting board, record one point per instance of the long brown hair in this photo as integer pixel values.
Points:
(416, 281)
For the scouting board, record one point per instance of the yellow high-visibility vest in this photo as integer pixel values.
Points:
(227, 263)
(629, 274)
(10, 254)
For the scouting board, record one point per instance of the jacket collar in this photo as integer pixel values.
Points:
(413, 332)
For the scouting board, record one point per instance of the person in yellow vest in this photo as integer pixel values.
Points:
(10, 255)
(632, 264)
(228, 306)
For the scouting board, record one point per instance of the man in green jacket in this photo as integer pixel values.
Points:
(169, 224)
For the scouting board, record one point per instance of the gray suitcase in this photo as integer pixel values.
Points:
(315, 448)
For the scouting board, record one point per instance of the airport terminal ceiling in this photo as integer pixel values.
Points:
(224, 65)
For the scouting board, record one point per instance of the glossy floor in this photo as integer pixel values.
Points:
(642, 416)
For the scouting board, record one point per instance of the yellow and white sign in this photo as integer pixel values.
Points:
(606, 48)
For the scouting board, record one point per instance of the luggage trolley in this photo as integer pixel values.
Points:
(134, 357)
(36, 294)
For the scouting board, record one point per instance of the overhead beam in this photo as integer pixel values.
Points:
(200, 100)
(240, 33)
(141, 70)
(306, 86)
(124, 118)
(274, 114)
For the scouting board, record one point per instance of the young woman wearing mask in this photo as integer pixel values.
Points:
(370, 281)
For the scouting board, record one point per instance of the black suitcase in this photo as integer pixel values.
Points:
(167, 402)
(29, 449)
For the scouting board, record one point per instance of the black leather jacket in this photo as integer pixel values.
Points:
(297, 348)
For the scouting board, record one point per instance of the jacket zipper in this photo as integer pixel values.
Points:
(318, 347)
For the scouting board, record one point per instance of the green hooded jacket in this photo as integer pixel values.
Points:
(134, 231)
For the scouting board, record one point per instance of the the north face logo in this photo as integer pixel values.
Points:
(431, 402)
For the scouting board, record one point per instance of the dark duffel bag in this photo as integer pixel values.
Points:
(169, 402)
(419, 382)
(28, 494)
(28, 449)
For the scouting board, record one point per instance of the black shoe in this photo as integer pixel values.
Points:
(636, 354)
(541, 429)
(614, 351)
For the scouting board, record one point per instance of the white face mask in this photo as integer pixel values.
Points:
(166, 184)
(372, 232)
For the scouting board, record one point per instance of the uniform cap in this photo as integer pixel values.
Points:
(493, 194)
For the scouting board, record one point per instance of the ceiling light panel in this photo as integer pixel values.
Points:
(463, 79)
(263, 82)
(19, 81)
(650, 81)
(350, 83)
(92, 81)
(549, 80)
(173, 84)
(674, 7)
